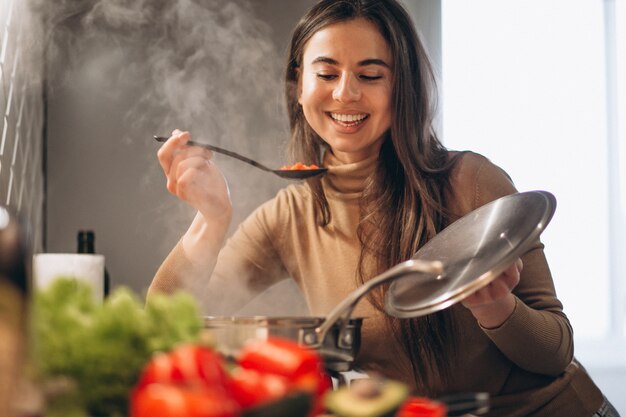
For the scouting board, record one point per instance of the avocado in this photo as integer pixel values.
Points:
(371, 397)
(296, 404)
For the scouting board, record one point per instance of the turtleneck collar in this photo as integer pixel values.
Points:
(347, 180)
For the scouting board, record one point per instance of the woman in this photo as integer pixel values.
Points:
(359, 95)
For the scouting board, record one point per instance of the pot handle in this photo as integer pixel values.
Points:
(343, 311)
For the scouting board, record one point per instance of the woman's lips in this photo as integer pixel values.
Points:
(348, 122)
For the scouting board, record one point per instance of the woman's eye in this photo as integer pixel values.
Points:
(370, 77)
(326, 77)
(363, 77)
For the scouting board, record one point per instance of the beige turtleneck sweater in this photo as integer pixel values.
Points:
(525, 364)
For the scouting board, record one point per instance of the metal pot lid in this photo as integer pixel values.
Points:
(474, 250)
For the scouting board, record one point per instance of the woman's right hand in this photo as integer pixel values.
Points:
(194, 178)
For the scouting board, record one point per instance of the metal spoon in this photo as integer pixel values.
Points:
(295, 174)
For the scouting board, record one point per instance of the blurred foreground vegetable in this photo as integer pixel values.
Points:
(421, 407)
(270, 378)
(301, 368)
(102, 347)
(370, 397)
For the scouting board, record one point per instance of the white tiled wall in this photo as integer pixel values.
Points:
(21, 120)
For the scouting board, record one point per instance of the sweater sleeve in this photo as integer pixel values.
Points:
(247, 264)
(537, 336)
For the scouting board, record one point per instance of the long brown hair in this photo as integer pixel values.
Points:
(403, 203)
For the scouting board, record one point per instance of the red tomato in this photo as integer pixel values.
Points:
(250, 388)
(302, 367)
(280, 357)
(169, 400)
(421, 407)
(188, 364)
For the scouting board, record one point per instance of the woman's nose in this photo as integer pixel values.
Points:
(347, 89)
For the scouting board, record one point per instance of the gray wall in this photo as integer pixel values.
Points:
(102, 167)
(105, 107)
(21, 117)
(427, 17)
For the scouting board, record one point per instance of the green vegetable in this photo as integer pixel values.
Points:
(102, 347)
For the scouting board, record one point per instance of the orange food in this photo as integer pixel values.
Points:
(298, 166)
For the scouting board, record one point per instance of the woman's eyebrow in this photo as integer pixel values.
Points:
(373, 61)
(363, 63)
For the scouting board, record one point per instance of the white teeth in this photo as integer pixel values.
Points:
(348, 117)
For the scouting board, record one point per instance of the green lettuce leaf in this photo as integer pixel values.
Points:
(103, 347)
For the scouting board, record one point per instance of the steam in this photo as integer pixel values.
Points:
(204, 66)
(208, 66)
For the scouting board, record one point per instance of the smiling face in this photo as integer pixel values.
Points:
(344, 88)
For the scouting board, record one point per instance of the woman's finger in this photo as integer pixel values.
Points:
(187, 153)
(498, 288)
(192, 159)
(168, 150)
(501, 287)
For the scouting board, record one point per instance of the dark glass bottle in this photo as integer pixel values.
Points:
(15, 288)
(87, 244)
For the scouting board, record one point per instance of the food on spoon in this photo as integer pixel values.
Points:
(371, 397)
(298, 166)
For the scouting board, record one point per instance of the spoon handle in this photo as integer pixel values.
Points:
(222, 151)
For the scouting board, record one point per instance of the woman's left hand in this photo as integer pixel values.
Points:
(494, 303)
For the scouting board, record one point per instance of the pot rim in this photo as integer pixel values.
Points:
(281, 321)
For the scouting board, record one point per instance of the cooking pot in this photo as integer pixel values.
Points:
(338, 351)
(461, 259)
(337, 336)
